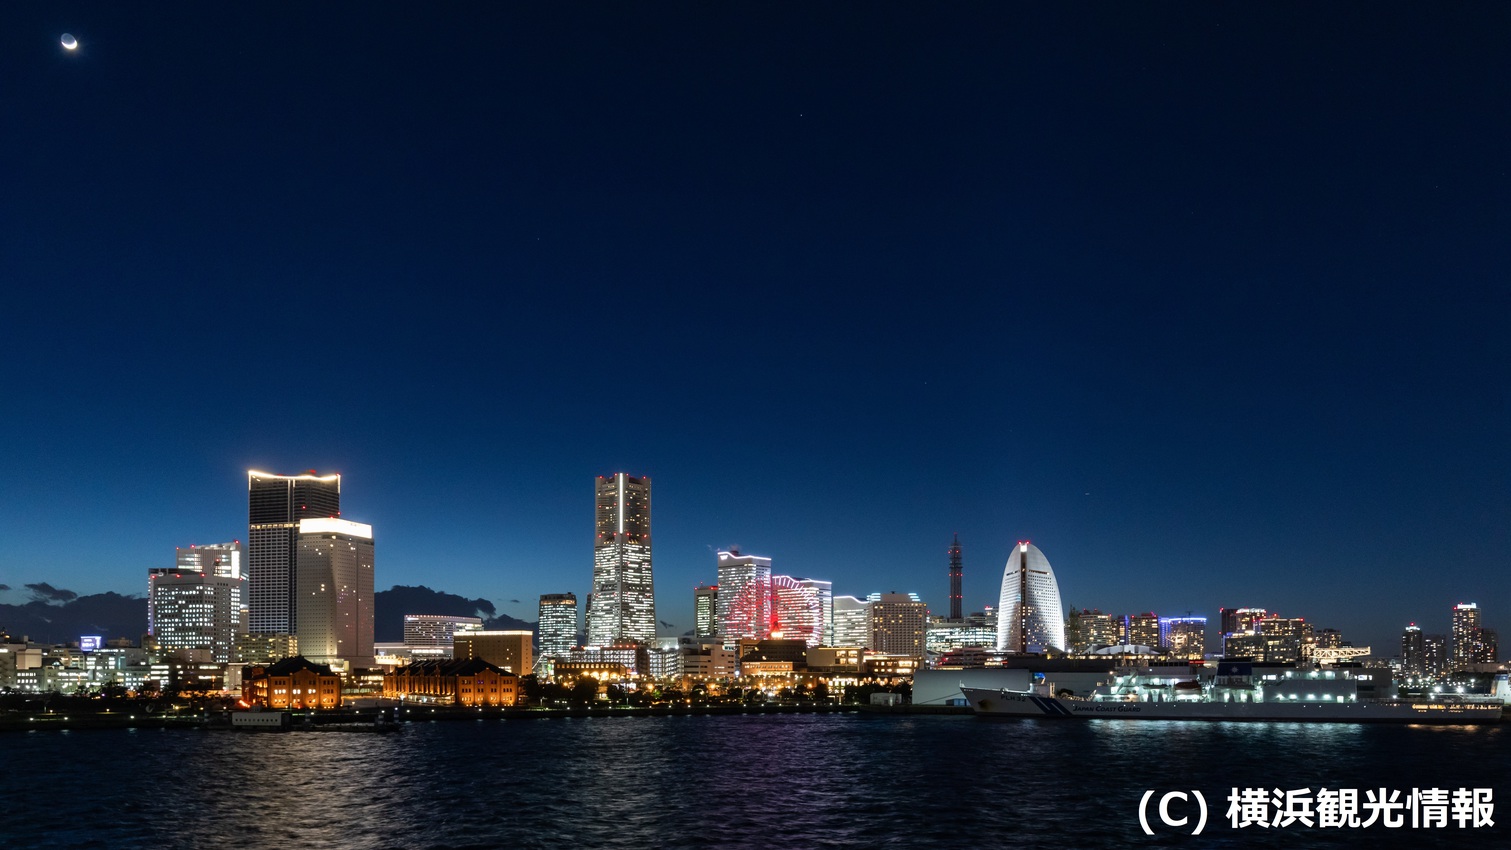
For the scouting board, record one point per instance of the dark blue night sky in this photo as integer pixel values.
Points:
(1209, 302)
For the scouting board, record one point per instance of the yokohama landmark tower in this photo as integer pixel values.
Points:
(623, 604)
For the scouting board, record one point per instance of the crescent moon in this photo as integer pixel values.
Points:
(69, 42)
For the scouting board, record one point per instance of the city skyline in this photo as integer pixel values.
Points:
(311, 486)
(1088, 281)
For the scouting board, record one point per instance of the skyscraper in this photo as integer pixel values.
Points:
(200, 604)
(706, 610)
(557, 626)
(825, 591)
(623, 604)
(798, 608)
(334, 565)
(898, 621)
(275, 505)
(196, 611)
(1471, 643)
(955, 573)
(744, 595)
(1029, 618)
(852, 622)
(1434, 655)
(1413, 651)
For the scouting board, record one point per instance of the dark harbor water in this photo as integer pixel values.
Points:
(767, 781)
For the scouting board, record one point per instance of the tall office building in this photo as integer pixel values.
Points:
(1029, 617)
(852, 622)
(195, 611)
(334, 565)
(744, 602)
(956, 570)
(825, 592)
(557, 625)
(898, 622)
(797, 608)
(275, 505)
(623, 604)
(706, 610)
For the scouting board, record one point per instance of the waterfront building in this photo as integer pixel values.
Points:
(334, 566)
(600, 671)
(511, 650)
(1185, 637)
(706, 610)
(835, 659)
(632, 656)
(1248, 644)
(1239, 620)
(956, 571)
(1489, 647)
(437, 630)
(275, 505)
(1089, 629)
(708, 660)
(798, 608)
(852, 622)
(623, 604)
(1465, 626)
(557, 625)
(390, 655)
(293, 683)
(1435, 655)
(190, 612)
(825, 593)
(1413, 651)
(664, 660)
(1472, 644)
(946, 635)
(1286, 638)
(898, 622)
(264, 648)
(886, 666)
(1141, 630)
(744, 600)
(464, 682)
(1030, 618)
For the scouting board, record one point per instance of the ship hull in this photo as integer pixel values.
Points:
(1007, 704)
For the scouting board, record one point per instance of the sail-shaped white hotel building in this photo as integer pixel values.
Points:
(1029, 616)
